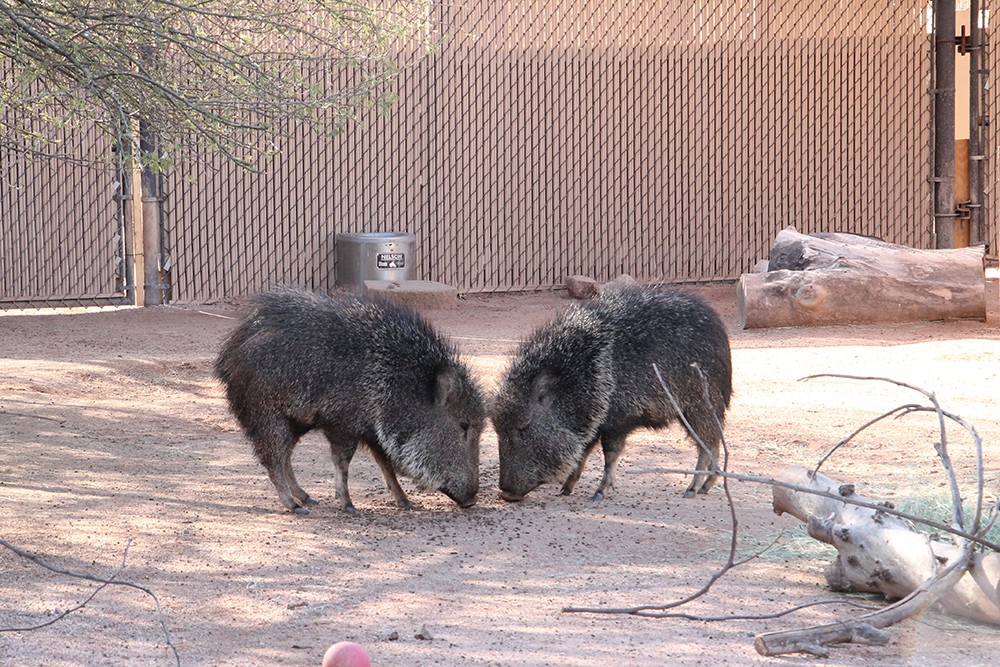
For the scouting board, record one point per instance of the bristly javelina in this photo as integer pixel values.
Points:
(588, 378)
(364, 371)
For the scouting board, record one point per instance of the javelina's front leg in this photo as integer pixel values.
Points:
(574, 477)
(389, 474)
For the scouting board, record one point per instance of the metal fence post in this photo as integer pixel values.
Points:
(151, 204)
(944, 123)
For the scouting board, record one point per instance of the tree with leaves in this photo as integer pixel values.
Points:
(227, 75)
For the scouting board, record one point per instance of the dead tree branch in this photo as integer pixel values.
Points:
(731, 561)
(110, 581)
(26, 414)
(877, 553)
(835, 495)
(868, 628)
(944, 580)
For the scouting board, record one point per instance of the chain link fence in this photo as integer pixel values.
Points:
(63, 225)
(669, 141)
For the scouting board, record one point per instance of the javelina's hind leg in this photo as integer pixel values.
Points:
(574, 477)
(342, 452)
(293, 484)
(703, 483)
(279, 473)
(273, 442)
(612, 447)
(389, 474)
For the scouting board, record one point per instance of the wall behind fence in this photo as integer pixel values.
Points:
(670, 141)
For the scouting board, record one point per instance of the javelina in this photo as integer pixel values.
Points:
(363, 371)
(589, 377)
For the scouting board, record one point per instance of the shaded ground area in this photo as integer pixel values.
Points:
(148, 458)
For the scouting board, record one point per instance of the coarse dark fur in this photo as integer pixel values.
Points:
(364, 371)
(588, 377)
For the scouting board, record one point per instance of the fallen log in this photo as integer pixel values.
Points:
(825, 279)
(879, 553)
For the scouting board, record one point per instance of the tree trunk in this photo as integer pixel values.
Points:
(825, 279)
(880, 553)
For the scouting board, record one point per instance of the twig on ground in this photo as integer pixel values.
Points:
(27, 414)
(751, 617)
(104, 582)
(83, 604)
(731, 561)
(867, 628)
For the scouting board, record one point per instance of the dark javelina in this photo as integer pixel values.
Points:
(364, 371)
(588, 378)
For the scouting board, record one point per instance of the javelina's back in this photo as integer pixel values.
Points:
(365, 371)
(589, 378)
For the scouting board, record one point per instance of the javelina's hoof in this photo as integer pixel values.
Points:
(350, 508)
(689, 493)
(308, 500)
(565, 492)
(511, 497)
(597, 496)
(300, 510)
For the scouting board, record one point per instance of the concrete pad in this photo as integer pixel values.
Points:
(419, 294)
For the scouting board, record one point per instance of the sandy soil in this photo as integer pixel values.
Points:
(146, 458)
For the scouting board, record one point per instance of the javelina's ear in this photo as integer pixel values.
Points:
(445, 385)
(542, 389)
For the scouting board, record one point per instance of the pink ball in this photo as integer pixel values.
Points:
(346, 654)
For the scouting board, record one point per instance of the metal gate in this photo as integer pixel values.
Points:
(63, 230)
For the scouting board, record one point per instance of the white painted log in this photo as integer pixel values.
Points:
(880, 553)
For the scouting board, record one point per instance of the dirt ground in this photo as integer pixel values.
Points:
(145, 466)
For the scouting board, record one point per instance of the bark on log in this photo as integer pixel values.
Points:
(826, 279)
(880, 553)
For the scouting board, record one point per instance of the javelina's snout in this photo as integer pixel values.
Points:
(511, 497)
(464, 502)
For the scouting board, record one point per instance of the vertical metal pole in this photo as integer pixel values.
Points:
(126, 222)
(136, 258)
(977, 231)
(944, 123)
(150, 221)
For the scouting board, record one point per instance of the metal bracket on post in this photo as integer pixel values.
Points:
(963, 42)
(963, 210)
